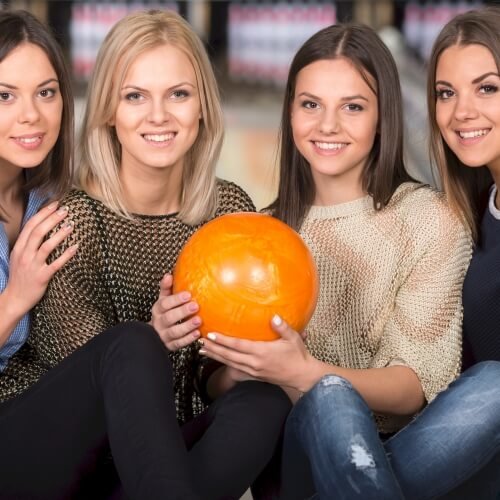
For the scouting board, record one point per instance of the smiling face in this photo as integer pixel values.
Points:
(468, 104)
(157, 118)
(334, 122)
(30, 107)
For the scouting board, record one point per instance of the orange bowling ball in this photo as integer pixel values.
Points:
(244, 268)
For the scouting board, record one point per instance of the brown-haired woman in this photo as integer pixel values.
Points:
(385, 338)
(150, 141)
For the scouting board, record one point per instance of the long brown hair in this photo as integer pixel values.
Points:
(384, 170)
(53, 175)
(465, 187)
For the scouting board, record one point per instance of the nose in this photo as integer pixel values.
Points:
(29, 111)
(329, 123)
(158, 113)
(465, 108)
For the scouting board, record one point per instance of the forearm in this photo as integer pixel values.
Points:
(394, 390)
(10, 315)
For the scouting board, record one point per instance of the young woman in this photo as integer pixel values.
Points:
(385, 338)
(151, 137)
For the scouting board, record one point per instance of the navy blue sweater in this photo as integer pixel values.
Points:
(481, 294)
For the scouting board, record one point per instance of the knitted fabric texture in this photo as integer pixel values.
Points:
(113, 277)
(391, 285)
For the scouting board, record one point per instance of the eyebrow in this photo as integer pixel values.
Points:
(135, 87)
(346, 98)
(476, 80)
(13, 87)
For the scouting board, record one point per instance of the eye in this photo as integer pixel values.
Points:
(488, 88)
(47, 93)
(134, 96)
(309, 105)
(6, 96)
(444, 94)
(180, 94)
(353, 107)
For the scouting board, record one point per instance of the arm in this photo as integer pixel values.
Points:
(76, 305)
(29, 272)
(419, 352)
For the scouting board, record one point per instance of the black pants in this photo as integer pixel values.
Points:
(116, 393)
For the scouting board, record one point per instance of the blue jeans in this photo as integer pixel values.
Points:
(333, 450)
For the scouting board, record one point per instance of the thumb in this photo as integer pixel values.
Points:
(166, 284)
(280, 326)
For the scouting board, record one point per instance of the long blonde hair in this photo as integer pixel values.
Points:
(99, 146)
(466, 188)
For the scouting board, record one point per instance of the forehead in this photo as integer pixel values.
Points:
(25, 64)
(164, 63)
(333, 77)
(473, 59)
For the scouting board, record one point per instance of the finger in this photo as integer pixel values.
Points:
(182, 329)
(50, 245)
(53, 267)
(177, 314)
(221, 359)
(33, 222)
(280, 326)
(174, 345)
(166, 284)
(235, 343)
(228, 354)
(43, 228)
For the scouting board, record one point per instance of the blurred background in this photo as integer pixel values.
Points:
(251, 43)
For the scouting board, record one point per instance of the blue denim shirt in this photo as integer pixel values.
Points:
(20, 332)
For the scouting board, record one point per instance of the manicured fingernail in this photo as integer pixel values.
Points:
(193, 306)
(202, 351)
(185, 296)
(277, 320)
(200, 343)
(62, 211)
(212, 336)
(68, 226)
(196, 321)
(196, 334)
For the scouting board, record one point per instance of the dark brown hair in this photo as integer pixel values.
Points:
(53, 175)
(384, 170)
(465, 187)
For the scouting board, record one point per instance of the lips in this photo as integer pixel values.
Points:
(327, 146)
(159, 138)
(472, 134)
(29, 141)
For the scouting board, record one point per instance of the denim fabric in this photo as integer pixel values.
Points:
(20, 333)
(452, 447)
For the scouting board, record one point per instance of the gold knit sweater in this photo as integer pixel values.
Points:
(391, 284)
(113, 277)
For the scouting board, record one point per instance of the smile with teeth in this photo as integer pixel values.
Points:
(470, 134)
(330, 145)
(29, 140)
(159, 137)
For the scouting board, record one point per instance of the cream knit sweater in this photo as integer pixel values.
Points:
(390, 286)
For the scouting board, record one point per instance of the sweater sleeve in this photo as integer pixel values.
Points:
(424, 329)
(76, 305)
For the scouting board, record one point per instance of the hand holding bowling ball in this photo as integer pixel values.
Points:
(244, 268)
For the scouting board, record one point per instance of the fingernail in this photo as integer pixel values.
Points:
(277, 320)
(185, 296)
(193, 306)
(212, 336)
(196, 321)
(200, 342)
(62, 210)
(53, 205)
(202, 351)
(196, 334)
(69, 225)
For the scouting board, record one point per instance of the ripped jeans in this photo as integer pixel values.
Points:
(333, 450)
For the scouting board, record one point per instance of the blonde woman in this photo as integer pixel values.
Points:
(151, 136)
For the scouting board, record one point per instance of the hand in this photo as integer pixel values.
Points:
(281, 361)
(29, 273)
(172, 316)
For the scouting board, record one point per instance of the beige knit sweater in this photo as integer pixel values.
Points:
(391, 285)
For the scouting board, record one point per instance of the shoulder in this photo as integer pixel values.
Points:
(232, 198)
(425, 217)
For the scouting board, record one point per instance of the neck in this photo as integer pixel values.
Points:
(153, 191)
(332, 190)
(11, 183)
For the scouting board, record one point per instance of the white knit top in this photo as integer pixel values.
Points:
(390, 286)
